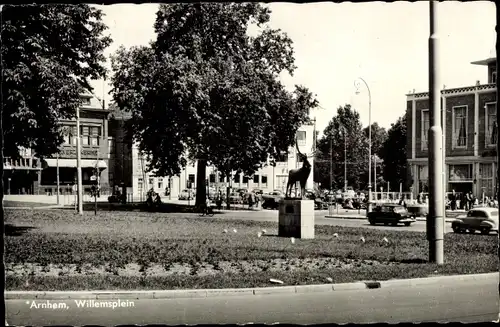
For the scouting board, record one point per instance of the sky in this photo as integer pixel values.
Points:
(386, 44)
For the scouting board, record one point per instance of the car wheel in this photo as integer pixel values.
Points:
(407, 224)
(386, 224)
(394, 224)
(456, 229)
(485, 231)
(371, 221)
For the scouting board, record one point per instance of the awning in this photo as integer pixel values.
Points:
(71, 163)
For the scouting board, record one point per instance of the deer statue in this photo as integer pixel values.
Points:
(299, 175)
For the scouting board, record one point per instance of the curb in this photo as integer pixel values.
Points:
(206, 293)
(448, 220)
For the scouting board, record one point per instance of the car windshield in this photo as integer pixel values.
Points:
(386, 209)
(399, 209)
(477, 213)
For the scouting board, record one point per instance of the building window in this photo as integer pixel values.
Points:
(69, 134)
(460, 173)
(90, 135)
(221, 178)
(425, 129)
(301, 137)
(139, 183)
(256, 179)
(237, 178)
(212, 178)
(111, 145)
(491, 124)
(460, 127)
(486, 180)
(264, 180)
(160, 183)
(191, 178)
(423, 179)
(245, 179)
(85, 101)
(282, 157)
(494, 78)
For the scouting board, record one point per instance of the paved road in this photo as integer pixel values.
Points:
(272, 215)
(442, 301)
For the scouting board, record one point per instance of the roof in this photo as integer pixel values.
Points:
(487, 209)
(485, 62)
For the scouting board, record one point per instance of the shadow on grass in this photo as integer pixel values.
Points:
(11, 230)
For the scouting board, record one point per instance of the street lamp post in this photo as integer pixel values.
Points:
(79, 164)
(356, 84)
(435, 219)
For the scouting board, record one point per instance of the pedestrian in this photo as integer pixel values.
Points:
(453, 201)
(419, 198)
(402, 201)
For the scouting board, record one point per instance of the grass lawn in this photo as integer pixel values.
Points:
(59, 250)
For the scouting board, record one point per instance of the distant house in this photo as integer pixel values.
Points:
(30, 175)
(470, 134)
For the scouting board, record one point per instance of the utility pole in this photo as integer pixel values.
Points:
(57, 178)
(375, 177)
(345, 161)
(79, 164)
(434, 222)
(331, 164)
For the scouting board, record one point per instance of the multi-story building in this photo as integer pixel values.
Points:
(30, 175)
(470, 133)
(130, 168)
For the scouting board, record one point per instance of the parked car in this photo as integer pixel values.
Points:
(258, 191)
(390, 213)
(272, 199)
(235, 198)
(483, 219)
(186, 195)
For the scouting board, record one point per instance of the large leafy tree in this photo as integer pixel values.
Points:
(206, 90)
(349, 148)
(49, 54)
(393, 153)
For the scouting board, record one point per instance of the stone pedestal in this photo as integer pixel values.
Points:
(296, 218)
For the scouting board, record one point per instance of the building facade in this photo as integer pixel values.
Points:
(30, 175)
(138, 181)
(470, 134)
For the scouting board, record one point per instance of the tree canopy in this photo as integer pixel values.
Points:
(393, 153)
(206, 90)
(345, 132)
(49, 53)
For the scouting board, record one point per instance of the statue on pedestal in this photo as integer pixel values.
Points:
(299, 175)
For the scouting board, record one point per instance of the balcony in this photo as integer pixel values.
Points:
(21, 164)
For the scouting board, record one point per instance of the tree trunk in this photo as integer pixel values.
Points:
(201, 189)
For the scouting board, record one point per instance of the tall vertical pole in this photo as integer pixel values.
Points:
(434, 222)
(79, 164)
(497, 28)
(375, 177)
(345, 161)
(57, 178)
(331, 164)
